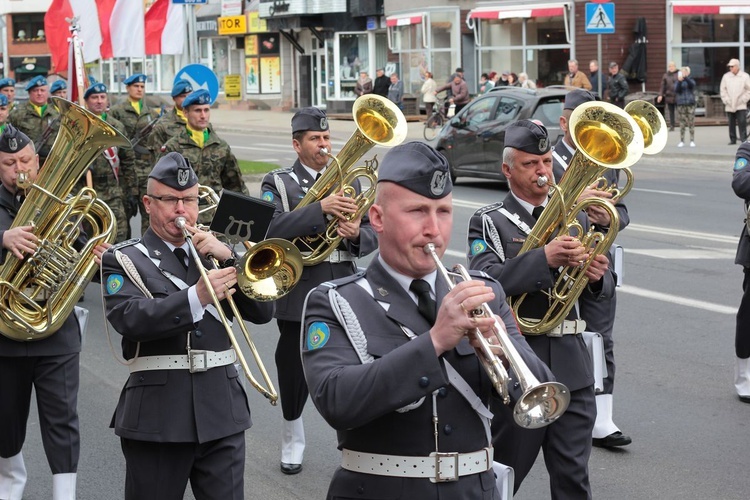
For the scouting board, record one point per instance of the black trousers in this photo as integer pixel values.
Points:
(161, 471)
(292, 385)
(670, 106)
(738, 119)
(742, 334)
(55, 381)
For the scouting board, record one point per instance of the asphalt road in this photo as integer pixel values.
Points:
(674, 347)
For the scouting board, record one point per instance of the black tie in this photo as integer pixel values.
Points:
(318, 176)
(426, 304)
(181, 257)
(537, 212)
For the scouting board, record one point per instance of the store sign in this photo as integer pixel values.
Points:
(233, 87)
(231, 7)
(278, 8)
(232, 25)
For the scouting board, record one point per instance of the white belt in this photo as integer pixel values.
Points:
(195, 361)
(336, 256)
(438, 467)
(567, 327)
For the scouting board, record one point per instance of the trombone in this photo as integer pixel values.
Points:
(269, 392)
(541, 403)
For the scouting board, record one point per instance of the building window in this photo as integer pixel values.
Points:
(28, 28)
(262, 63)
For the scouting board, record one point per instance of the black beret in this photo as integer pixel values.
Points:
(97, 88)
(309, 119)
(174, 170)
(200, 96)
(419, 168)
(527, 136)
(576, 97)
(13, 140)
(181, 87)
(37, 81)
(743, 156)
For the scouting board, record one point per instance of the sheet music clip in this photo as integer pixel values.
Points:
(242, 218)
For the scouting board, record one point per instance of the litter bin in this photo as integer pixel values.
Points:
(410, 105)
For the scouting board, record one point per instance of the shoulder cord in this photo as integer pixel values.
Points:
(281, 188)
(488, 228)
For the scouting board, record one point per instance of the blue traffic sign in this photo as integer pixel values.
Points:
(600, 18)
(190, 2)
(200, 77)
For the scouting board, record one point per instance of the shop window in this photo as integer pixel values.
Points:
(262, 64)
(28, 28)
(710, 28)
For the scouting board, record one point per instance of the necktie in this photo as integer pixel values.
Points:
(181, 257)
(537, 212)
(426, 304)
(318, 176)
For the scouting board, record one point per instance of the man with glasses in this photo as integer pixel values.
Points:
(735, 92)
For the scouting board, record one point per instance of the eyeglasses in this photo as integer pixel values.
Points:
(174, 200)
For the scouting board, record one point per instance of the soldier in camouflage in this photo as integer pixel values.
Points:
(36, 118)
(172, 123)
(4, 110)
(8, 87)
(59, 88)
(115, 167)
(137, 117)
(209, 155)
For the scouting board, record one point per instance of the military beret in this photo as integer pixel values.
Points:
(97, 88)
(58, 85)
(7, 82)
(309, 119)
(37, 81)
(181, 87)
(3, 100)
(200, 96)
(527, 136)
(136, 78)
(13, 140)
(743, 156)
(576, 97)
(419, 168)
(174, 170)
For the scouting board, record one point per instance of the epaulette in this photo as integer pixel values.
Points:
(344, 281)
(126, 243)
(489, 208)
(282, 170)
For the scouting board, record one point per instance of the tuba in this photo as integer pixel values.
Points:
(38, 292)
(605, 137)
(378, 121)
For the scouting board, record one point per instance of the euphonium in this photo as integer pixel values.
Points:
(38, 293)
(378, 121)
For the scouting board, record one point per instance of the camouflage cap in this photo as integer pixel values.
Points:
(419, 168)
(174, 170)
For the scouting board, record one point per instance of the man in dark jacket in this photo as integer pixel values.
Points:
(617, 85)
(382, 83)
(666, 92)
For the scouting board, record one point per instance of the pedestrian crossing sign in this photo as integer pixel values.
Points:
(600, 18)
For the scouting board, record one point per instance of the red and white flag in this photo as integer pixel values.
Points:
(126, 29)
(57, 31)
(165, 28)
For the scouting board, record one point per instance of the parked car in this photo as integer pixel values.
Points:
(474, 139)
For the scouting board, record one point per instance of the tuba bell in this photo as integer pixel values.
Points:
(38, 292)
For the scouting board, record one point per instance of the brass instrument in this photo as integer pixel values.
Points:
(269, 391)
(38, 292)
(541, 403)
(378, 121)
(605, 136)
(269, 269)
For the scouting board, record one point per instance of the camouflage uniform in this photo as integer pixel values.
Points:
(25, 118)
(144, 160)
(215, 164)
(169, 126)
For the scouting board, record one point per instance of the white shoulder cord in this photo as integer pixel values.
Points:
(281, 188)
(488, 227)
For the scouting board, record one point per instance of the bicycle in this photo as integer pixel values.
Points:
(436, 120)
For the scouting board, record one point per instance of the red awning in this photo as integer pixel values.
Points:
(709, 7)
(404, 20)
(506, 12)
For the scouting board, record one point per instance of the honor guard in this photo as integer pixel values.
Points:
(741, 187)
(172, 123)
(8, 87)
(37, 119)
(138, 119)
(285, 188)
(58, 88)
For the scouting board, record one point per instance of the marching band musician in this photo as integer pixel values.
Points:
(286, 187)
(741, 187)
(36, 116)
(386, 355)
(172, 123)
(599, 315)
(49, 365)
(496, 234)
(183, 412)
(136, 115)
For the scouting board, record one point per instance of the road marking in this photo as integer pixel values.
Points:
(680, 301)
(713, 237)
(657, 191)
(683, 253)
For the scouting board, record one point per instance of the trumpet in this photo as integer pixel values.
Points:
(268, 391)
(541, 403)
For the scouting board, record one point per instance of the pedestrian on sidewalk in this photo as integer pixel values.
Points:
(735, 92)
(684, 96)
(666, 93)
(617, 85)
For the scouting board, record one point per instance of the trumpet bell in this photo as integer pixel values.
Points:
(541, 405)
(269, 270)
(651, 123)
(606, 135)
(379, 120)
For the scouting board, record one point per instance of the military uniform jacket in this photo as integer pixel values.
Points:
(27, 120)
(309, 220)
(109, 187)
(741, 187)
(173, 405)
(134, 122)
(214, 164)
(529, 273)
(67, 339)
(168, 126)
(361, 400)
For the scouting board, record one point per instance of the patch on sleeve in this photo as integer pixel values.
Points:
(317, 335)
(478, 246)
(114, 283)
(740, 163)
(268, 196)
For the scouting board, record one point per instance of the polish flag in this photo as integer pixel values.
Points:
(104, 8)
(165, 28)
(126, 28)
(57, 31)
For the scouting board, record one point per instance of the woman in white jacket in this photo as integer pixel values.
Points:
(428, 92)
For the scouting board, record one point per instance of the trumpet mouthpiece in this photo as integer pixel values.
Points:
(542, 180)
(429, 248)
(180, 222)
(324, 151)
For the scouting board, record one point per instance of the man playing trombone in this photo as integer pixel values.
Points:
(183, 411)
(386, 353)
(495, 237)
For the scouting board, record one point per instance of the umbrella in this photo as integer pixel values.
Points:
(635, 64)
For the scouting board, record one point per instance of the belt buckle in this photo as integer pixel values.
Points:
(556, 332)
(444, 462)
(197, 360)
(335, 257)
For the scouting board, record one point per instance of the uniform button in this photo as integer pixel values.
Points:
(176, 320)
(198, 333)
(442, 392)
(516, 385)
(361, 490)
(424, 382)
(539, 284)
(447, 429)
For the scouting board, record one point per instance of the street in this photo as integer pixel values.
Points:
(674, 337)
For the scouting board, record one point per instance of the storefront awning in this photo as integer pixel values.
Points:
(404, 20)
(510, 11)
(710, 7)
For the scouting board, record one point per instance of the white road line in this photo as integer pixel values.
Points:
(683, 253)
(682, 233)
(673, 193)
(677, 300)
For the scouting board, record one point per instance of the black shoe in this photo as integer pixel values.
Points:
(291, 469)
(745, 399)
(613, 440)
